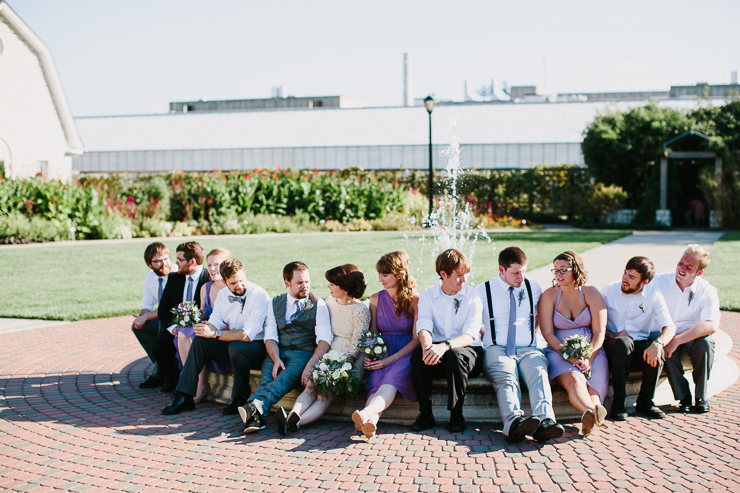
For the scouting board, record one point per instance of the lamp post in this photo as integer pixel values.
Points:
(429, 105)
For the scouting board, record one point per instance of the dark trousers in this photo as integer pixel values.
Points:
(457, 365)
(701, 353)
(624, 355)
(242, 356)
(146, 336)
(164, 351)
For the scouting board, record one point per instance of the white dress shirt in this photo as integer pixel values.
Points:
(195, 276)
(437, 314)
(688, 309)
(323, 322)
(635, 313)
(247, 314)
(501, 309)
(151, 290)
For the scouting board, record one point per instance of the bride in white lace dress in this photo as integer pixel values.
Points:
(349, 318)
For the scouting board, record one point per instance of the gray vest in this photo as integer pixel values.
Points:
(301, 334)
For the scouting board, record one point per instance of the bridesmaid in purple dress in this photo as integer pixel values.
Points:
(574, 308)
(393, 311)
(185, 336)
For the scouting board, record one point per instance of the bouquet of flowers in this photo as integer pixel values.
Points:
(578, 347)
(333, 375)
(372, 345)
(186, 314)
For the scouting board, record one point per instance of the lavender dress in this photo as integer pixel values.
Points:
(398, 332)
(581, 325)
(190, 332)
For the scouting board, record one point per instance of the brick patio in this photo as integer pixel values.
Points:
(72, 418)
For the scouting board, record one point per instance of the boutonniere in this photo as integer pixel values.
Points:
(691, 297)
(307, 306)
(642, 307)
(456, 304)
(521, 297)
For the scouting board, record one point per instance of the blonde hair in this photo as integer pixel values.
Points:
(699, 253)
(450, 260)
(220, 253)
(397, 264)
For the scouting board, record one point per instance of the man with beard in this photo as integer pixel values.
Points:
(631, 310)
(694, 305)
(232, 336)
(146, 324)
(297, 334)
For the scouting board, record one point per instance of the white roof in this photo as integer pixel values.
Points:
(503, 123)
(50, 72)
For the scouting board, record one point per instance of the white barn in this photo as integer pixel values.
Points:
(494, 135)
(37, 131)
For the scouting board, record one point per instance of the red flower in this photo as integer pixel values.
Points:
(279, 167)
(246, 177)
(130, 200)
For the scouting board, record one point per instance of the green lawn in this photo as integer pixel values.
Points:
(73, 281)
(723, 269)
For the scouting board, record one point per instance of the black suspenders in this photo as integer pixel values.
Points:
(490, 310)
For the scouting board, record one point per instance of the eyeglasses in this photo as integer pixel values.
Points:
(561, 272)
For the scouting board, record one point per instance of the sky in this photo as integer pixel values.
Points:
(136, 56)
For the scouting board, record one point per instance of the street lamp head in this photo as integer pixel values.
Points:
(429, 103)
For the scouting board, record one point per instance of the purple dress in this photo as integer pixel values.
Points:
(581, 325)
(397, 331)
(190, 332)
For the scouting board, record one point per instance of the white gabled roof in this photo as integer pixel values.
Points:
(503, 123)
(50, 72)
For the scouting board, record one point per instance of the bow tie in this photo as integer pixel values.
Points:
(235, 299)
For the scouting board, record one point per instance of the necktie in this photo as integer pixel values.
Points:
(189, 295)
(511, 336)
(297, 311)
(159, 294)
(235, 299)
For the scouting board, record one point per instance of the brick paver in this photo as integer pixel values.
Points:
(72, 418)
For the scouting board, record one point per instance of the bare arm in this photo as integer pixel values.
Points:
(320, 351)
(597, 307)
(374, 312)
(407, 349)
(702, 329)
(545, 309)
(143, 317)
(273, 351)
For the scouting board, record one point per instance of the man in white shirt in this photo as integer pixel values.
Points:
(232, 336)
(448, 326)
(631, 310)
(297, 334)
(694, 306)
(509, 321)
(146, 324)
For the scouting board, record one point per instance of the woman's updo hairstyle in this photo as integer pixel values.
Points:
(349, 278)
(397, 264)
(574, 261)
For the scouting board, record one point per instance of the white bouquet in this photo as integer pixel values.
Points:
(334, 375)
(372, 345)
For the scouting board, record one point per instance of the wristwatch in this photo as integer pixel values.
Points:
(449, 346)
(660, 341)
(218, 333)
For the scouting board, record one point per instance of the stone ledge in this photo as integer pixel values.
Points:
(480, 400)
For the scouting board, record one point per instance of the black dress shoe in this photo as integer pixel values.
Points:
(548, 430)
(684, 406)
(294, 422)
(169, 385)
(702, 406)
(619, 412)
(151, 383)
(457, 422)
(424, 421)
(649, 410)
(282, 421)
(522, 427)
(233, 408)
(182, 402)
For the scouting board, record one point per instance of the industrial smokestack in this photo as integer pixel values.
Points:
(408, 85)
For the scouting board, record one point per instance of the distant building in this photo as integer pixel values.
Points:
(267, 104)
(37, 131)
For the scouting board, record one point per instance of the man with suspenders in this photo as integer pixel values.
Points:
(510, 344)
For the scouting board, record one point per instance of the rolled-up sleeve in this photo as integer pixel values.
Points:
(323, 322)
(710, 307)
(254, 325)
(426, 313)
(148, 300)
(271, 330)
(217, 316)
(472, 322)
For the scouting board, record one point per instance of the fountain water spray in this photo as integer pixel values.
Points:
(450, 225)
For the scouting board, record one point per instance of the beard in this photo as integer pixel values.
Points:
(629, 290)
(239, 291)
